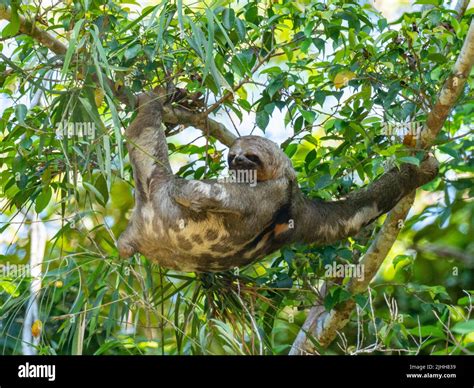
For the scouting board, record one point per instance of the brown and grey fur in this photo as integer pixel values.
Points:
(192, 225)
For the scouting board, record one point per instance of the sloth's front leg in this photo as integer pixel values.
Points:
(233, 198)
(199, 196)
(325, 222)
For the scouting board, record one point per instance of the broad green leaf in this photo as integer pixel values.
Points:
(12, 28)
(465, 327)
(20, 113)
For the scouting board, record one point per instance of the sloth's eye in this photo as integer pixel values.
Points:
(230, 158)
(253, 158)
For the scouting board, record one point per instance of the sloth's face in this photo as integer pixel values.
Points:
(244, 161)
(255, 153)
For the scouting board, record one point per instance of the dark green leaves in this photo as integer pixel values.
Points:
(42, 200)
(20, 113)
(465, 327)
(228, 18)
(262, 118)
(12, 28)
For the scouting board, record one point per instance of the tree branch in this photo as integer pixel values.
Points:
(461, 7)
(447, 252)
(173, 115)
(450, 91)
(28, 28)
(322, 325)
(179, 115)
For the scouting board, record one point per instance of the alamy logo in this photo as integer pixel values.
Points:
(79, 129)
(240, 176)
(15, 270)
(37, 371)
(344, 271)
(400, 130)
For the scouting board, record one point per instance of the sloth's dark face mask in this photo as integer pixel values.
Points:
(244, 162)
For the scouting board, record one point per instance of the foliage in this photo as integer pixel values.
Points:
(339, 73)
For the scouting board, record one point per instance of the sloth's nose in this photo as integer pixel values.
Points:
(239, 159)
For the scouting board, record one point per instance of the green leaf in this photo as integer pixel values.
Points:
(228, 18)
(94, 191)
(91, 109)
(72, 46)
(20, 113)
(22, 182)
(108, 162)
(428, 2)
(309, 116)
(132, 51)
(323, 182)
(251, 15)
(361, 300)
(336, 295)
(274, 87)
(42, 200)
(308, 30)
(437, 57)
(12, 28)
(288, 255)
(465, 300)
(305, 45)
(224, 32)
(118, 135)
(241, 29)
(79, 333)
(448, 149)
(410, 160)
(179, 5)
(465, 327)
(427, 331)
(98, 46)
(262, 119)
(244, 104)
(209, 60)
(401, 258)
(132, 24)
(10, 288)
(101, 185)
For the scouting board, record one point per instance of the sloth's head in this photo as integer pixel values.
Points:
(151, 102)
(260, 154)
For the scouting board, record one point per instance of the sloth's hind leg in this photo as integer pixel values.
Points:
(125, 244)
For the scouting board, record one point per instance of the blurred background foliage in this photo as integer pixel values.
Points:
(326, 79)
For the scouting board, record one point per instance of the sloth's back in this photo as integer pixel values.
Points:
(180, 239)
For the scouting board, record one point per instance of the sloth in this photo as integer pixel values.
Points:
(210, 225)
